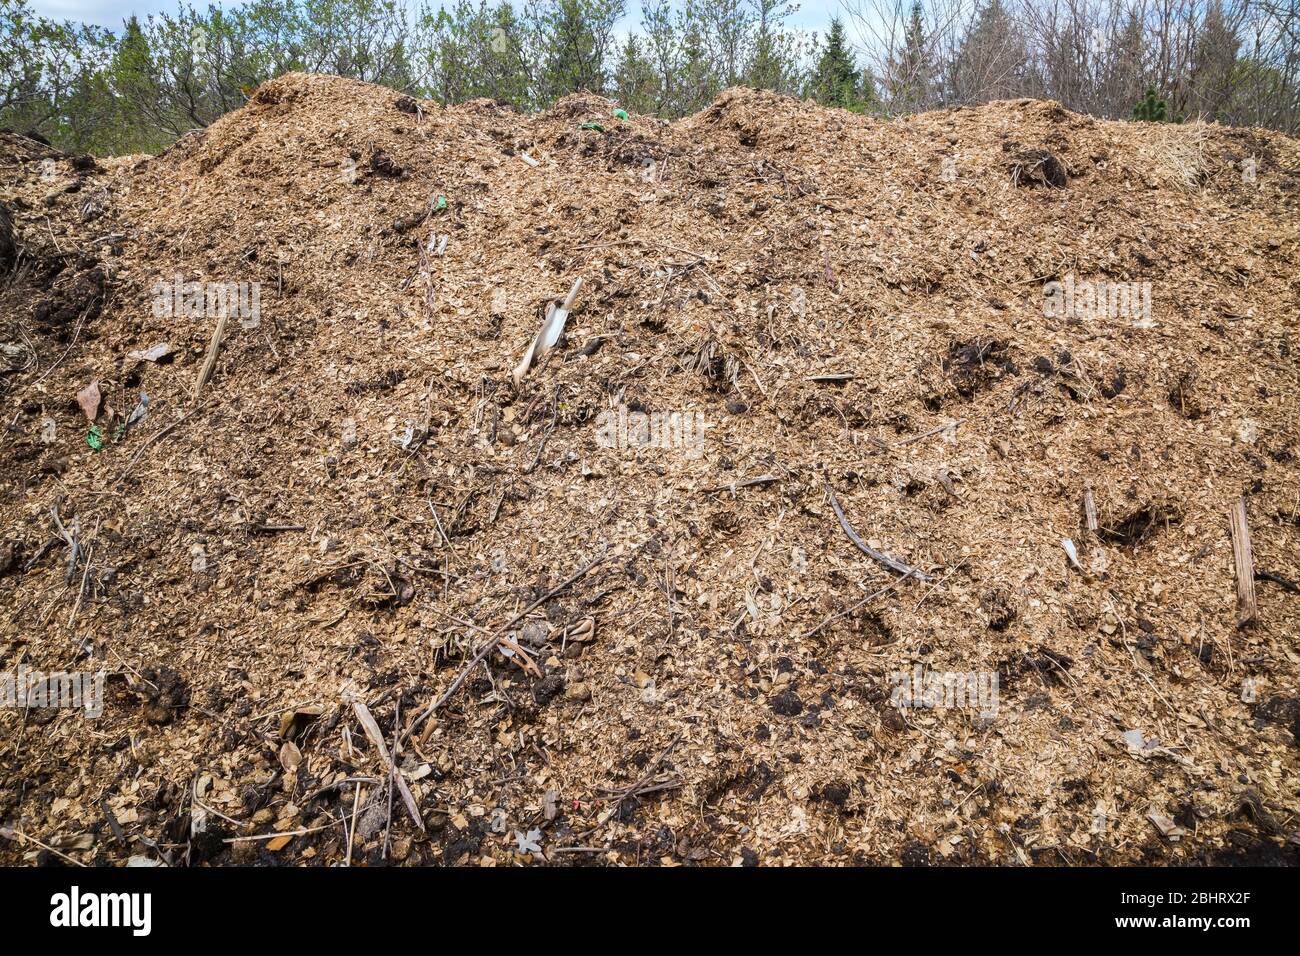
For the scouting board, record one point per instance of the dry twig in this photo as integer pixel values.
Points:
(895, 565)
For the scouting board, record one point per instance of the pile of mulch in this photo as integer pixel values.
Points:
(367, 596)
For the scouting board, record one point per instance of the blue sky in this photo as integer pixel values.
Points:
(812, 14)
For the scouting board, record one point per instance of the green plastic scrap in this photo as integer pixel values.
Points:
(595, 126)
(620, 114)
(95, 438)
(440, 203)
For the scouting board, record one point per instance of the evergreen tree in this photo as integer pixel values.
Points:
(911, 72)
(1213, 63)
(1151, 109)
(773, 64)
(635, 83)
(836, 80)
(991, 62)
(132, 79)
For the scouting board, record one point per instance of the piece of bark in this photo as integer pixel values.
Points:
(1243, 560)
(552, 328)
(88, 398)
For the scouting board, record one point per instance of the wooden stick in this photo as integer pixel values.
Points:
(371, 728)
(898, 567)
(211, 360)
(1089, 509)
(81, 593)
(1239, 531)
(747, 483)
(525, 662)
(392, 771)
(652, 769)
(352, 830)
(273, 836)
(74, 551)
(19, 835)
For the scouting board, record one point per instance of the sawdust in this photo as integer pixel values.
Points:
(360, 498)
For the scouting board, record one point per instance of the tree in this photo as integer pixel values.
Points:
(364, 39)
(23, 37)
(774, 62)
(697, 80)
(991, 62)
(132, 78)
(663, 52)
(910, 71)
(578, 39)
(729, 27)
(508, 67)
(45, 66)
(836, 80)
(138, 88)
(1151, 108)
(1212, 70)
(1125, 73)
(635, 82)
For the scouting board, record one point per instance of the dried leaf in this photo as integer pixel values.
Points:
(528, 842)
(290, 756)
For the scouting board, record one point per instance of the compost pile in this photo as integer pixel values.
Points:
(368, 590)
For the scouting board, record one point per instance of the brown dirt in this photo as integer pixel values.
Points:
(734, 687)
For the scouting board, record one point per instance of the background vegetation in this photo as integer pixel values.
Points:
(138, 88)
